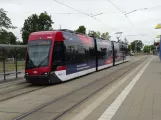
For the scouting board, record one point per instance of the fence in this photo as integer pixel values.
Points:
(12, 61)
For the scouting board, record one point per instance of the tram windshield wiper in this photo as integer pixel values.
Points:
(31, 62)
(42, 61)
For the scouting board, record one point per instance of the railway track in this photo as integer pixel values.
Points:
(17, 88)
(7, 84)
(98, 84)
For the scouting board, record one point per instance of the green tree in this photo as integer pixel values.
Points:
(152, 47)
(3, 34)
(19, 42)
(21, 52)
(129, 47)
(5, 21)
(34, 23)
(98, 34)
(136, 46)
(146, 49)
(94, 33)
(81, 29)
(11, 38)
(133, 46)
(7, 37)
(105, 35)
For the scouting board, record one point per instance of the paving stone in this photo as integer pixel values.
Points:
(157, 113)
(8, 116)
(156, 107)
(117, 117)
(56, 107)
(133, 113)
(156, 118)
(41, 116)
(131, 118)
(137, 108)
(145, 118)
(147, 113)
(146, 96)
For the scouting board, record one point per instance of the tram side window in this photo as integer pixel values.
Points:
(120, 50)
(89, 53)
(71, 52)
(58, 56)
(126, 50)
(81, 54)
(101, 49)
(75, 53)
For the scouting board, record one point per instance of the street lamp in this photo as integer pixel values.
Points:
(136, 45)
(126, 42)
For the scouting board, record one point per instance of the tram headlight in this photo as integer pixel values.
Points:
(26, 73)
(45, 73)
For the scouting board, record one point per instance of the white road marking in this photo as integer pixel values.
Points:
(83, 114)
(112, 109)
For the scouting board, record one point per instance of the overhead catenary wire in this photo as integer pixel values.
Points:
(149, 8)
(129, 20)
(130, 12)
(115, 6)
(81, 12)
(96, 14)
(141, 9)
(121, 12)
(92, 14)
(71, 8)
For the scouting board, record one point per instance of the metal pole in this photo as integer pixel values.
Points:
(16, 61)
(96, 53)
(135, 46)
(4, 70)
(118, 39)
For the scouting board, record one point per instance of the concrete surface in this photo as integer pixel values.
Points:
(88, 111)
(142, 103)
(27, 102)
(68, 101)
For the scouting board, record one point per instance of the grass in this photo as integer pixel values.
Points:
(10, 66)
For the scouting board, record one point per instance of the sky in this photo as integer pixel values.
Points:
(139, 25)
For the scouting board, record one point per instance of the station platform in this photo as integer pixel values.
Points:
(144, 100)
(138, 98)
